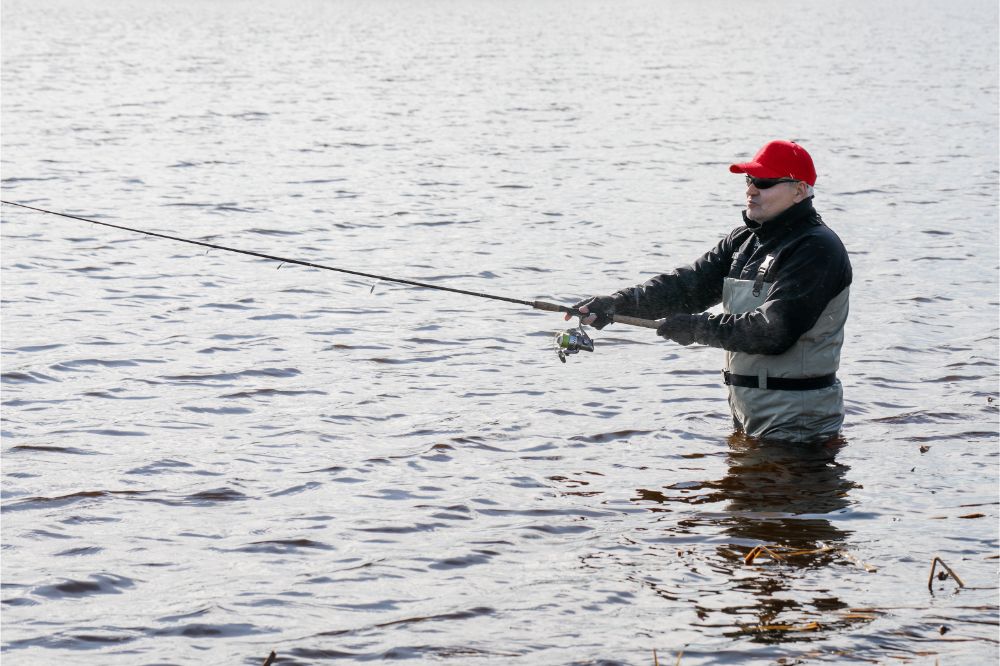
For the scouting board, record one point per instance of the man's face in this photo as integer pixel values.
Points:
(766, 204)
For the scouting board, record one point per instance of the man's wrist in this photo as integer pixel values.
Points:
(626, 301)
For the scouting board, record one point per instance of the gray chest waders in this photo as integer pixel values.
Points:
(791, 396)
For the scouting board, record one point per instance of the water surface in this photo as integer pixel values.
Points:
(207, 457)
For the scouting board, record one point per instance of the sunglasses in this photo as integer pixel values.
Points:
(767, 183)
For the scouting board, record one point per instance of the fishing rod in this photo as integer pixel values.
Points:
(568, 342)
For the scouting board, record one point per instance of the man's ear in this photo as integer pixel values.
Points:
(801, 191)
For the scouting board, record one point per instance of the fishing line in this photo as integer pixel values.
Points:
(538, 305)
(286, 260)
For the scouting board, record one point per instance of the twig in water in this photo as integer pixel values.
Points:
(782, 553)
(656, 662)
(785, 552)
(930, 578)
(757, 551)
(811, 626)
(270, 658)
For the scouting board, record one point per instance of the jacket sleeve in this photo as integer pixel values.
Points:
(806, 279)
(688, 289)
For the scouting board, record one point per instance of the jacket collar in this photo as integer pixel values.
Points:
(793, 216)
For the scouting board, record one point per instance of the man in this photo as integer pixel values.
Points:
(783, 278)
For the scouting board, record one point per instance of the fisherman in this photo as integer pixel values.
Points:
(783, 278)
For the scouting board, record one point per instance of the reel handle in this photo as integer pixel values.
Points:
(618, 319)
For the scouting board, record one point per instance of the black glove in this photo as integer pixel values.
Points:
(679, 328)
(601, 306)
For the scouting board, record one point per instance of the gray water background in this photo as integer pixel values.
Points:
(207, 457)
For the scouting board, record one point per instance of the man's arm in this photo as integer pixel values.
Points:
(688, 289)
(805, 281)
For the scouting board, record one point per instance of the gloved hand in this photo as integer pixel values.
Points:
(679, 328)
(600, 310)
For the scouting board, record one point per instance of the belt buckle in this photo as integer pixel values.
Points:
(725, 378)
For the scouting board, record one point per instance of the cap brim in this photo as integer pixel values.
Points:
(755, 169)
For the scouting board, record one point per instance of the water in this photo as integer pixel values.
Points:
(207, 457)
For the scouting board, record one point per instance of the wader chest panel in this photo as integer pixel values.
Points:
(781, 414)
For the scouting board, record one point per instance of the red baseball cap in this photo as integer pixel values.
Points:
(779, 159)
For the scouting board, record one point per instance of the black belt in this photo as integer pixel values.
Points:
(780, 383)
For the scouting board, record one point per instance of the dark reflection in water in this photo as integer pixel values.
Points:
(783, 494)
(773, 494)
(779, 493)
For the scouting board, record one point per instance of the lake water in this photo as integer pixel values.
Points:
(207, 457)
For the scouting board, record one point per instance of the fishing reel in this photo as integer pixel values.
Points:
(572, 341)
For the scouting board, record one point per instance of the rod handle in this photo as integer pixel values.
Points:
(553, 307)
(618, 319)
(635, 321)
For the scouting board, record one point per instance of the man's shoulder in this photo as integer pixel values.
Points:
(822, 235)
(822, 244)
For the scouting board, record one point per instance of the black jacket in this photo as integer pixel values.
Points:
(809, 268)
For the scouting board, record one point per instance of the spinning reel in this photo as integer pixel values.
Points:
(572, 341)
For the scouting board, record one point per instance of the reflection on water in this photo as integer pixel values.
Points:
(773, 494)
(780, 493)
